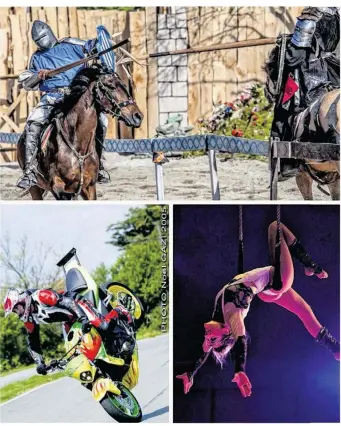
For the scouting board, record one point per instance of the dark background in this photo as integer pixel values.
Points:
(293, 378)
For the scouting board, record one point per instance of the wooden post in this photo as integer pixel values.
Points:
(3, 65)
(152, 89)
(193, 22)
(63, 23)
(214, 175)
(160, 190)
(138, 48)
(123, 25)
(51, 19)
(18, 66)
(73, 22)
(274, 163)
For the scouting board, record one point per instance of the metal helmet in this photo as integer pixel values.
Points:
(14, 298)
(43, 36)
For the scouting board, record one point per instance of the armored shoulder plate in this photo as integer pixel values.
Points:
(73, 40)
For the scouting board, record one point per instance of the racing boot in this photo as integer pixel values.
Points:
(310, 267)
(103, 175)
(29, 177)
(325, 339)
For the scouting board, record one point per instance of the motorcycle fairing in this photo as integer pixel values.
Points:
(102, 386)
(131, 377)
(120, 295)
(80, 369)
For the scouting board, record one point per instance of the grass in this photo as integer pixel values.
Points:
(14, 389)
(144, 334)
(15, 370)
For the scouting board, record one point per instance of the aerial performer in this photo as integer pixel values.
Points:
(226, 331)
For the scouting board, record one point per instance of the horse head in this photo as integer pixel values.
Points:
(113, 97)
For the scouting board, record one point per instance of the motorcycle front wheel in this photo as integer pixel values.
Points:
(123, 408)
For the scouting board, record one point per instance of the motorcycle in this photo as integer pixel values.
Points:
(110, 374)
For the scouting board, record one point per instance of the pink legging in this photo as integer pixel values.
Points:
(287, 297)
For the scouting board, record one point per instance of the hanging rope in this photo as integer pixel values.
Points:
(277, 276)
(241, 242)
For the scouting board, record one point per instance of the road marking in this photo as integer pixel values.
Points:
(30, 391)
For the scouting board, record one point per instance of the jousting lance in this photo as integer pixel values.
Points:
(52, 73)
(222, 46)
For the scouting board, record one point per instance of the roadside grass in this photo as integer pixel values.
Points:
(14, 389)
(144, 334)
(16, 370)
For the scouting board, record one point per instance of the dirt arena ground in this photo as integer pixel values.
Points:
(184, 179)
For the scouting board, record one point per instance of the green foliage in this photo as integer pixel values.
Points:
(14, 389)
(138, 226)
(249, 116)
(14, 352)
(139, 264)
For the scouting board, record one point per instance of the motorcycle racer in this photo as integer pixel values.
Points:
(46, 306)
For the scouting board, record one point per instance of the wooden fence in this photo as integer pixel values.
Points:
(212, 76)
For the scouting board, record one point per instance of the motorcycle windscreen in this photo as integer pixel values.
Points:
(104, 41)
(124, 297)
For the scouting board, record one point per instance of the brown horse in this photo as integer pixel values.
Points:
(68, 162)
(326, 119)
(318, 123)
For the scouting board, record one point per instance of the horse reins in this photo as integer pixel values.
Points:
(117, 112)
(80, 158)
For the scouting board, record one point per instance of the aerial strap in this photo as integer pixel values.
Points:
(241, 243)
(277, 284)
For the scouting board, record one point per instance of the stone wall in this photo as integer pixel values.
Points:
(172, 70)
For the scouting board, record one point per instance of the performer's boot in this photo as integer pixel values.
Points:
(29, 177)
(311, 267)
(103, 175)
(328, 341)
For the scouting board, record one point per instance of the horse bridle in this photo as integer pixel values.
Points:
(117, 112)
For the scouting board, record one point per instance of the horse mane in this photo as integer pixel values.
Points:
(79, 86)
(329, 30)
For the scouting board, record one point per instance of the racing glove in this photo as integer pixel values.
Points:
(41, 369)
(243, 383)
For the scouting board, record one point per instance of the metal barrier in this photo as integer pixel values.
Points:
(212, 143)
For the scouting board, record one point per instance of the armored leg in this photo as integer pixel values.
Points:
(33, 134)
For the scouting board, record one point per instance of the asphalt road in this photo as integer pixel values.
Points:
(66, 401)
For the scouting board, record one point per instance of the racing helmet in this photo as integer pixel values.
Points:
(43, 36)
(17, 302)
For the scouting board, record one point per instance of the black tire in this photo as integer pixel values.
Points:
(116, 413)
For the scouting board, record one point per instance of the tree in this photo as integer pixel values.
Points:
(27, 270)
(139, 264)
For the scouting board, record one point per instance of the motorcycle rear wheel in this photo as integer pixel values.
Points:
(124, 408)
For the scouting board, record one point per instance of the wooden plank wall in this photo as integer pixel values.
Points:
(212, 76)
(221, 76)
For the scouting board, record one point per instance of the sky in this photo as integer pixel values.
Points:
(64, 226)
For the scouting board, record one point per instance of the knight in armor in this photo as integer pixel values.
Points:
(53, 54)
(35, 307)
(310, 69)
(226, 332)
(314, 44)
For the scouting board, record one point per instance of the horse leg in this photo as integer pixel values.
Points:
(92, 193)
(89, 193)
(334, 189)
(36, 193)
(305, 184)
